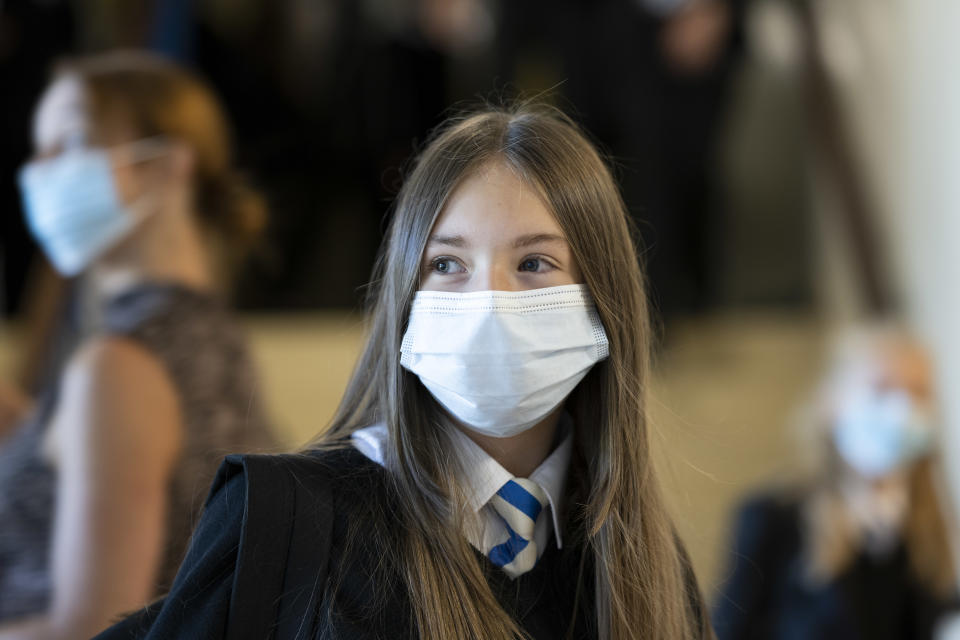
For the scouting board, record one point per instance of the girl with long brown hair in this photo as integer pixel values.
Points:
(488, 473)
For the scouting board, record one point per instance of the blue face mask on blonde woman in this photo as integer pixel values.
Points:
(131, 189)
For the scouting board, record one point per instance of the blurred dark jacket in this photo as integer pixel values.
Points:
(768, 595)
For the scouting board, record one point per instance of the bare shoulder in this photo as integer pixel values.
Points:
(104, 354)
(116, 394)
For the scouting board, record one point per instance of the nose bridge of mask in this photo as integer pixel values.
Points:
(142, 150)
(134, 153)
(501, 322)
(477, 332)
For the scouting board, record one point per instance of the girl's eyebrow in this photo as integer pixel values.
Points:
(450, 241)
(518, 243)
(537, 238)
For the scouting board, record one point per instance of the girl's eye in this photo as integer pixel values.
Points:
(445, 266)
(530, 264)
(534, 265)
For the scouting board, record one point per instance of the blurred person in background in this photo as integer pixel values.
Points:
(862, 550)
(132, 191)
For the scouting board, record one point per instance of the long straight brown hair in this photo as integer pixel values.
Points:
(640, 576)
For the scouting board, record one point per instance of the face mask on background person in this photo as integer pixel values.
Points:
(501, 361)
(878, 433)
(73, 207)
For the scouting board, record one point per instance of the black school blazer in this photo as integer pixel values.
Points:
(258, 563)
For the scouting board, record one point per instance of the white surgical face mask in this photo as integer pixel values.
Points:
(878, 433)
(73, 208)
(501, 361)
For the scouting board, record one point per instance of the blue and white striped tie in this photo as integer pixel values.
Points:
(519, 503)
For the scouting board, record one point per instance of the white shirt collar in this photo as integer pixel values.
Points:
(485, 475)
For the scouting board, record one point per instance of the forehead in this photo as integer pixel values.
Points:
(62, 114)
(495, 202)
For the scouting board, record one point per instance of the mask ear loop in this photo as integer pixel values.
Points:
(144, 149)
(140, 151)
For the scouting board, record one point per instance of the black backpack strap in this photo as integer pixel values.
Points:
(277, 552)
(268, 523)
(309, 551)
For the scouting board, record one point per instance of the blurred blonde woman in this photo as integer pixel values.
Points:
(487, 475)
(862, 549)
(131, 190)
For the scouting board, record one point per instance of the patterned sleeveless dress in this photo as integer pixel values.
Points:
(193, 336)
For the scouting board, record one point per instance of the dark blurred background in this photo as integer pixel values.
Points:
(329, 99)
